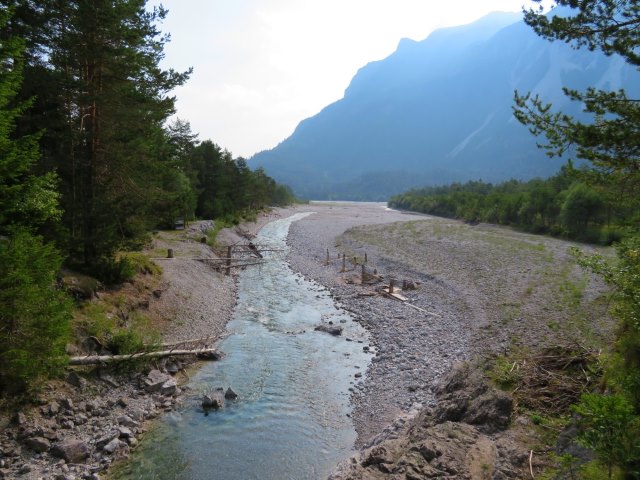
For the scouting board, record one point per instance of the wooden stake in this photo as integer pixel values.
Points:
(391, 285)
(170, 253)
(344, 262)
(362, 276)
(327, 263)
(229, 252)
(365, 257)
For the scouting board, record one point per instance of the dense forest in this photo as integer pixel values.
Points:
(600, 202)
(564, 205)
(91, 160)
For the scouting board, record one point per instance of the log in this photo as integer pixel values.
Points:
(102, 359)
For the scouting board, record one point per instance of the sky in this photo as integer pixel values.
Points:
(262, 66)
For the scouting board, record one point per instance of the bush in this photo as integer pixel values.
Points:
(112, 271)
(610, 428)
(34, 314)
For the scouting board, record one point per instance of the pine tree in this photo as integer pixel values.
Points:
(115, 101)
(610, 142)
(34, 314)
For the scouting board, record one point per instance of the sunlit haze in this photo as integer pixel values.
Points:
(262, 66)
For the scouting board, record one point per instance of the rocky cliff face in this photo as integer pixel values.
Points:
(438, 111)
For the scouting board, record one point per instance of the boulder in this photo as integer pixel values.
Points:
(127, 421)
(213, 401)
(230, 394)
(331, 329)
(112, 446)
(169, 387)
(72, 451)
(155, 380)
(76, 380)
(104, 440)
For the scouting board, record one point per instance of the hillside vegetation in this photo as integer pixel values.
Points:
(90, 165)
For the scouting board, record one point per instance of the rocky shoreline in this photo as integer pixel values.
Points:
(78, 427)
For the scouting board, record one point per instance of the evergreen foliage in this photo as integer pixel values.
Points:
(562, 205)
(610, 142)
(34, 314)
(89, 161)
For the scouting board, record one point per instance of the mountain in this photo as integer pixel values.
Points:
(437, 111)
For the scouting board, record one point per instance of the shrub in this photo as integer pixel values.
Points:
(610, 428)
(34, 314)
(113, 271)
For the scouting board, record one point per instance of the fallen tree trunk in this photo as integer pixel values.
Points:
(202, 353)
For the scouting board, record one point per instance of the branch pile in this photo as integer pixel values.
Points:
(554, 379)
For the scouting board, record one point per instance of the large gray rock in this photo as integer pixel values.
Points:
(213, 401)
(113, 446)
(127, 421)
(155, 380)
(169, 387)
(73, 451)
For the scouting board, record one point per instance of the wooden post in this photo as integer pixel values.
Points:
(344, 262)
(229, 250)
(391, 285)
(362, 276)
(355, 261)
(170, 253)
(327, 257)
(365, 257)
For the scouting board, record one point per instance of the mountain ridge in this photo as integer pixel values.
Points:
(436, 111)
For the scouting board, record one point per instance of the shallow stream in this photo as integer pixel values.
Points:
(291, 419)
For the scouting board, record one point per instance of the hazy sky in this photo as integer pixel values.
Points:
(262, 66)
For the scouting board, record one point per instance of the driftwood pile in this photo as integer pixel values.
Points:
(554, 379)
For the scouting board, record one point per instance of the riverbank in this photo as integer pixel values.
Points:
(76, 427)
(480, 290)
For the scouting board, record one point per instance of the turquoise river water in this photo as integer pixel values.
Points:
(291, 420)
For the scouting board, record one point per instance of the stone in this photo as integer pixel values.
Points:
(124, 432)
(38, 444)
(53, 408)
(104, 440)
(169, 387)
(155, 380)
(19, 419)
(112, 446)
(77, 381)
(109, 380)
(230, 394)
(127, 421)
(213, 401)
(172, 368)
(376, 455)
(331, 329)
(72, 451)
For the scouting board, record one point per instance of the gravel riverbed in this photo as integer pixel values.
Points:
(479, 290)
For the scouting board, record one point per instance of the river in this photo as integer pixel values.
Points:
(291, 420)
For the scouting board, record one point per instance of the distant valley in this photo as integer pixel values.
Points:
(438, 111)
